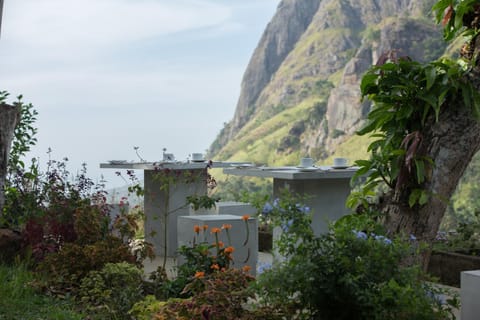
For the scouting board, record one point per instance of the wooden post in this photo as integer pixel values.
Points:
(9, 117)
(1, 15)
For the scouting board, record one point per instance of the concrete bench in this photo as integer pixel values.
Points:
(470, 295)
(244, 254)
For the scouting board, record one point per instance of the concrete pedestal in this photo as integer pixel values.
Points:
(163, 207)
(235, 208)
(326, 198)
(244, 254)
(470, 295)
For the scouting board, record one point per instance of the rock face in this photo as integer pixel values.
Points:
(281, 35)
(311, 57)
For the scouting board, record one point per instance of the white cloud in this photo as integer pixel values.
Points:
(79, 26)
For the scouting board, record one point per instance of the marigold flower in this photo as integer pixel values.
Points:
(205, 227)
(215, 266)
(196, 229)
(215, 230)
(229, 249)
(199, 274)
(226, 226)
(221, 244)
(245, 217)
(246, 268)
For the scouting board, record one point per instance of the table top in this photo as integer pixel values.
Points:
(294, 173)
(174, 165)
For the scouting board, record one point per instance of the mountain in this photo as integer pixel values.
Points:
(300, 92)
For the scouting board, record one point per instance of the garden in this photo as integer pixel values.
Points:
(63, 256)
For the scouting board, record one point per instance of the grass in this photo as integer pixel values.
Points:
(19, 300)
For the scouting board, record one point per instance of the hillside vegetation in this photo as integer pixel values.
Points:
(300, 93)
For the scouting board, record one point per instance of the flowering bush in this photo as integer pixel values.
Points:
(219, 295)
(353, 272)
(200, 259)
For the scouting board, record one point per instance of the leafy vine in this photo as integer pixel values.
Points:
(405, 95)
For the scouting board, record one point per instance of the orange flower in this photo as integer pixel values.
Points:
(199, 274)
(215, 266)
(205, 227)
(221, 244)
(215, 230)
(246, 268)
(229, 249)
(196, 229)
(226, 226)
(245, 217)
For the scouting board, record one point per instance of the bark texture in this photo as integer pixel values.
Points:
(9, 117)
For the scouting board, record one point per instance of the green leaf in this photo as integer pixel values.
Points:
(414, 196)
(430, 73)
(423, 198)
(420, 170)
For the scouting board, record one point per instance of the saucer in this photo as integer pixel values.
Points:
(307, 169)
(340, 167)
(117, 161)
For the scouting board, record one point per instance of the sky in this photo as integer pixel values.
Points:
(109, 75)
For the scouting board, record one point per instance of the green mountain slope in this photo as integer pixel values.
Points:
(300, 93)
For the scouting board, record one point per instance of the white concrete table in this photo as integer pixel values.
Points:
(326, 189)
(162, 205)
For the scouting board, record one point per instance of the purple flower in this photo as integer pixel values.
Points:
(276, 202)
(286, 227)
(360, 234)
(383, 239)
(267, 209)
(264, 266)
(303, 208)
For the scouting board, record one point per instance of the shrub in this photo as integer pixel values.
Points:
(203, 257)
(220, 295)
(111, 292)
(352, 272)
(66, 268)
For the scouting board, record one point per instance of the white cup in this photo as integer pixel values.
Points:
(306, 162)
(197, 156)
(168, 157)
(340, 162)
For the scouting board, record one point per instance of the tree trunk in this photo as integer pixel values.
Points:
(9, 117)
(451, 142)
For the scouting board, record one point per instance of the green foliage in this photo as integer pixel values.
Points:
(352, 272)
(146, 308)
(112, 291)
(200, 258)
(220, 296)
(63, 270)
(20, 300)
(203, 201)
(24, 135)
(457, 17)
(406, 95)
(466, 238)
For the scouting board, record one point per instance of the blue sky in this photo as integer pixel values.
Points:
(108, 75)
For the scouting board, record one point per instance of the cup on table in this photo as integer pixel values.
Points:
(340, 162)
(197, 156)
(306, 162)
(168, 157)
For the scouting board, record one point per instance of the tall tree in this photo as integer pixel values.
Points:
(425, 118)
